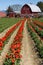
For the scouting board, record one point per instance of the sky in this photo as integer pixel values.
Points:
(5, 3)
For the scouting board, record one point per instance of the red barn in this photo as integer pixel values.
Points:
(26, 9)
(11, 14)
(30, 9)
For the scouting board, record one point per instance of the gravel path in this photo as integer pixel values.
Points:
(7, 47)
(4, 32)
(27, 53)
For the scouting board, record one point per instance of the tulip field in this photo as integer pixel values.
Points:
(21, 41)
(7, 22)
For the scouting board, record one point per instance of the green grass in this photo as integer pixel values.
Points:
(39, 19)
(7, 22)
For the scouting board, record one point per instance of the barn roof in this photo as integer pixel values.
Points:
(34, 8)
(17, 8)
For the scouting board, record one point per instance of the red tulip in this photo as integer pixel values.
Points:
(0, 48)
(16, 38)
(4, 38)
(12, 49)
(1, 44)
(40, 28)
(16, 56)
(12, 60)
(20, 35)
(20, 56)
(13, 46)
(10, 56)
(18, 50)
(7, 56)
(18, 45)
(14, 52)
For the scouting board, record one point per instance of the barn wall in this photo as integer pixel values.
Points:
(12, 14)
(26, 10)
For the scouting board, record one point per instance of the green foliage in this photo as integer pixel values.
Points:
(37, 30)
(38, 19)
(17, 62)
(41, 54)
(7, 22)
(8, 62)
(41, 33)
(9, 10)
(40, 4)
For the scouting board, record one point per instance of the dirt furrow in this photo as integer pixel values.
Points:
(7, 47)
(27, 53)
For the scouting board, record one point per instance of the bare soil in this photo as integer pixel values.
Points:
(28, 57)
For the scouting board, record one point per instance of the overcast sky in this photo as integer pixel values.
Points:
(5, 3)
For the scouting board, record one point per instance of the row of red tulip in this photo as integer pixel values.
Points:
(10, 31)
(39, 23)
(37, 26)
(8, 34)
(16, 46)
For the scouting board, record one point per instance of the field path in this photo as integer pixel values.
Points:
(2, 34)
(27, 53)
(7, 47)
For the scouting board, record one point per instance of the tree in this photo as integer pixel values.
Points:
(9, 10)
(40, 4)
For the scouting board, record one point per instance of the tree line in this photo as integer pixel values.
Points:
(40, 5)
